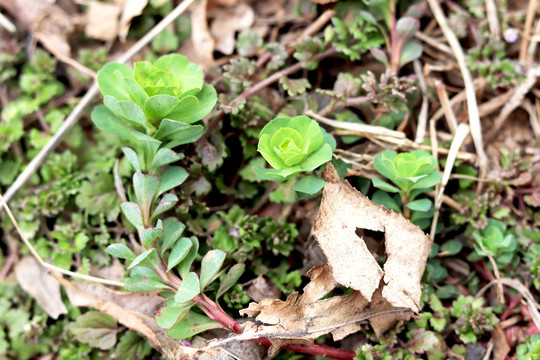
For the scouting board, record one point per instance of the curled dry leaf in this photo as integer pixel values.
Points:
(381, 296)
(36, 281)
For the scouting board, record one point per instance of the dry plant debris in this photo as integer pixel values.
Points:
(381, 296)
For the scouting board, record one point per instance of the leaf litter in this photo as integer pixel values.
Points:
(380, 296)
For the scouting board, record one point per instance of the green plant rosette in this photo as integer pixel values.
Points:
(293, 145)
(160, 98)
(409, 171)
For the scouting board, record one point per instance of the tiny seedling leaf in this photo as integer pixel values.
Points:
(120, 251)
(164, 156)
(383, 185)
(140, 258)
(166, 203)
(172, 231)
(210, 265)
(151, 234)
(132, 157)
(133, 213)
(172, 177)
(420, 205)
(158, 106)
(96, 329)
(185, 265)
(172, 313)
(178, 252)
(191, 325)
(411, 51)
(231, 278)
(188, 289)
(309, 185)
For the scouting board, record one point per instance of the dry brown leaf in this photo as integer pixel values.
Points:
(261, 289)
(131, 9)
(199, 48)
(36, 281)
(227, 21)
(343, 210)
(102, 20)
(381, 296)
(51, 24)
(133, 310)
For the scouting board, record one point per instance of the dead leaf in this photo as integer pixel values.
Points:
(261, 289)
(244, 350)
(102, 20)
(36, 281)
(227, 21)
(50, 23)
(199, 48)
(501, 347)
(343, 210)
(133, 310)
(382, 297)
(132, 8)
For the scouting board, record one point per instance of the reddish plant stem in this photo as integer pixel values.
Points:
(315, 349)
(217, 314)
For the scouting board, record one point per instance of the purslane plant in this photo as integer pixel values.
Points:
(152, 108)
(495, 240)
(292, 146)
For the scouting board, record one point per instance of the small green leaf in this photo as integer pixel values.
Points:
(231, 278)
(185, 265)
(146, 187)
(178, 252)
(428, 181)
(379, 55)
(406, 27)
(120, 251)
(105, 120)
(165, 156)
(151, 234)
(171, 178)
(172, 231)
(210, 265)
(140, 258)
(109, 77)
(143, 278)
(192, 325)
(126, 110)
(132, 157)
(452, 247)
(132, 346)
(96, 329)
(176, 133)
(158, 106)
(411, 51)
(383, 185)
(384, 199)
(419, 205)
(166, 203)
(133, 213)
(169, 315)
(309, 185)
(188, 289)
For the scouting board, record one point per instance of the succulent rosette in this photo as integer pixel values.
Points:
(293, 145)
(160, 99)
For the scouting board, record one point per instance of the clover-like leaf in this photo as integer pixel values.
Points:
(210, 265)
(178, 252)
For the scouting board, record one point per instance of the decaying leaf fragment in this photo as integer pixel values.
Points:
(381, 297)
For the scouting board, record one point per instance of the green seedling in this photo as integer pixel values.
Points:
(473, 319)
(152, 107)
(294, 145)
(530, 350)
(495, 240)
(413, 174)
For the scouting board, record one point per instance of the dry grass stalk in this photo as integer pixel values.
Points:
(472, 106)
(423, 115)
(531, 11)
(448, 112)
